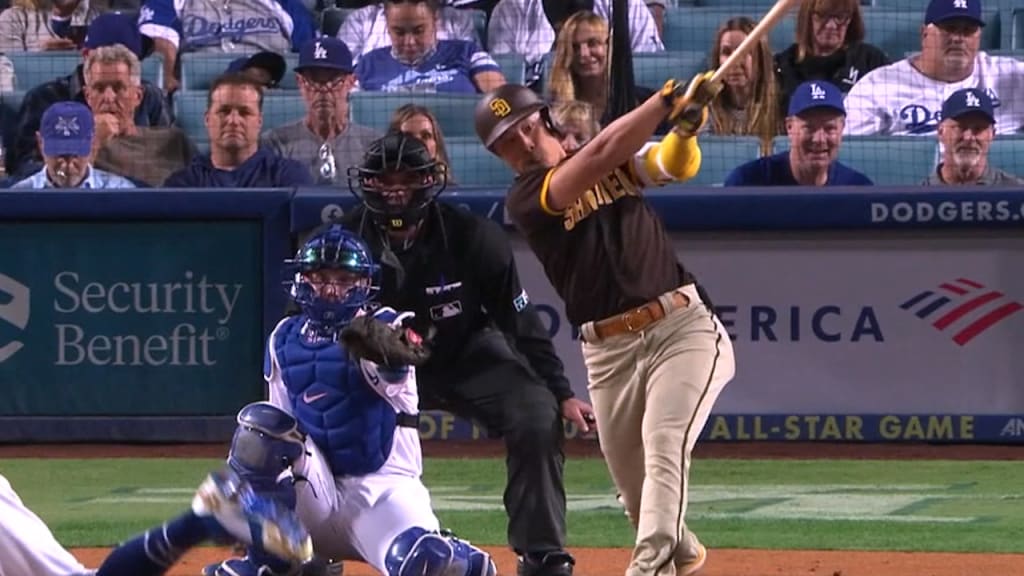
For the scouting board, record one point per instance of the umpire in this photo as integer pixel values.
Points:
(492, 359)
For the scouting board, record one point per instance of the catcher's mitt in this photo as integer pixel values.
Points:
(370, 339)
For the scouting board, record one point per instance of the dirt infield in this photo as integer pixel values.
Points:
(613, 561)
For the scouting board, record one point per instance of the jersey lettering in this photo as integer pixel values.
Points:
(617, 184)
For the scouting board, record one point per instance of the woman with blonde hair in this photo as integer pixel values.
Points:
(579, 70)
(419, 122)
(829, 46)
(747, 105)
(576, 122)
(43, 25)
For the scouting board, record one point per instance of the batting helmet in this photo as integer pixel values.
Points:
(501, 108)
(397, 153)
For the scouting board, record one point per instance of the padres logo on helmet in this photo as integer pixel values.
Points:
(500, 107)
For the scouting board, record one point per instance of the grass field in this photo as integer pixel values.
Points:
(969, 506)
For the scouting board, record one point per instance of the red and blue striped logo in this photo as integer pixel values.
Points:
(964, 307)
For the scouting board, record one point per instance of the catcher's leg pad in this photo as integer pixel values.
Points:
(419, 552)
(265, 445)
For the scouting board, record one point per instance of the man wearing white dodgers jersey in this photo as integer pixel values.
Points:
(339, 438)
(905, 98)
(233, 26)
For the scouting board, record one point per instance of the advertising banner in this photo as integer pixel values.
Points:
(879, 315)
(133, 318)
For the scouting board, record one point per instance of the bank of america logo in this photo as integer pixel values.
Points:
(964, 306)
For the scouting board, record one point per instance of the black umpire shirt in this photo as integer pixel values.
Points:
(459, 273)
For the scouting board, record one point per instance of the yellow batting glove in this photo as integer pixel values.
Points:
(689, 108)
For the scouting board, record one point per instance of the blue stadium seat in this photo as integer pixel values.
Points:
(453, 111)
(651, 70)
(35, 68)
(278, 108)
(1007, 153)
(720, 154)
(1017, 42)
(512, 66)
(474, 165)
(758, 5)
(198, 71)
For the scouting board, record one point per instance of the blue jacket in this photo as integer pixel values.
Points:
(263, 170)
(775, 171)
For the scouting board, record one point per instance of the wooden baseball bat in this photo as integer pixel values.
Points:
(777, 13)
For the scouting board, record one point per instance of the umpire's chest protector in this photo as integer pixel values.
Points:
(353, 426)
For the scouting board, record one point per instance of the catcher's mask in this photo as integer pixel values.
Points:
(397, 180)
(331, 278)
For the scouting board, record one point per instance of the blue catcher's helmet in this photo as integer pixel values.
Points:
(332, 248)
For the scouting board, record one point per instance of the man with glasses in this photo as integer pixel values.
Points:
(324, 140)
(234, 116)
(905, 98)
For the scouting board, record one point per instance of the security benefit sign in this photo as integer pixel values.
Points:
(107, 318)
(852, 336)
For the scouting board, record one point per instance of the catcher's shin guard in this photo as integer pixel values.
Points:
(266, 443)
(419, 552)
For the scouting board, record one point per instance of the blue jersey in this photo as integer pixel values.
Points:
(263, 170)
(234, 26)
(449, 68)
(775, 171)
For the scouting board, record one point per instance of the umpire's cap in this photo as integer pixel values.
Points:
(501, 108)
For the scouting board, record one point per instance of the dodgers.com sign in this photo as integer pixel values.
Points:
(106, 318)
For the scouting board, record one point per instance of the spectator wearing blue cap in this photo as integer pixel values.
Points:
(234, 117)
(905, 98)
(266, 68)
(965, 135)
(325, 141)
(65, 138)
(108, 29)
(814, 125)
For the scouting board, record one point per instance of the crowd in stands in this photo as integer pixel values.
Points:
(111, 123)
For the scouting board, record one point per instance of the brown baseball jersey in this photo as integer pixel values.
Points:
(606, 253)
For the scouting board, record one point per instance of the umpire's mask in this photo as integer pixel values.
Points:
(397, 180)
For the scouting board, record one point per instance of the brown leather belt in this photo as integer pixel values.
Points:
(637, 319)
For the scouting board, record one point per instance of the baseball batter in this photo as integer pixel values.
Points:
(224, 506)
(656, 355)
(339, 438)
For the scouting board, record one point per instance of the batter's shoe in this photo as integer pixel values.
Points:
(269, 526)
(550, 564)
(693, 565)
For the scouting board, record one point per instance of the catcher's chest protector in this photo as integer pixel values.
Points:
(352, 425)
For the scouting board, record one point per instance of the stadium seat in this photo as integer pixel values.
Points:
(760, 5)
(720, 154)
(512, 66)
(1007, 153)
(1017, 42)
(278, 108)
(35, 68)
(891, 160)
(473, 165)
(651, 70)
(198, 71)
(331, 20)
(453, 111)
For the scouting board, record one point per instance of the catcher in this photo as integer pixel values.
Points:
(339, 438)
